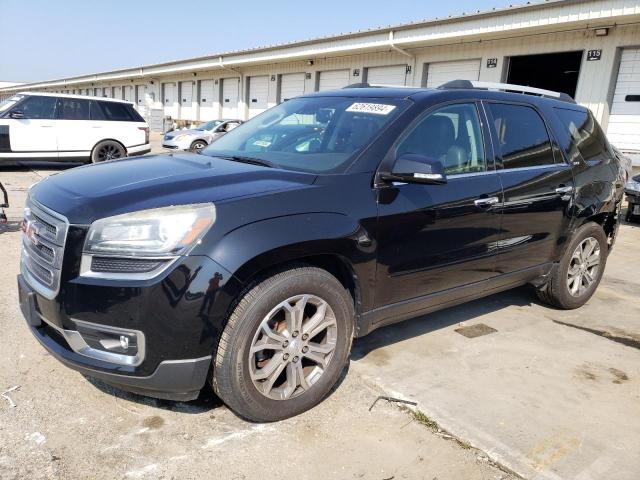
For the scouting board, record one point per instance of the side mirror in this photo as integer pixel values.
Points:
(414, 168)
(16, 114)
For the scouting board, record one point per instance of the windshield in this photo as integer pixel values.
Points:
(10, 102)
(209, 125)
(314, 134)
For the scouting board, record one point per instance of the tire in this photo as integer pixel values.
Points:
(198, 145)
(236, 368)
(628, 217)
(107, 150)
(560, 291)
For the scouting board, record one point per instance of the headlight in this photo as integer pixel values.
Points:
(159, 232)
(177, 138)
(632, 185)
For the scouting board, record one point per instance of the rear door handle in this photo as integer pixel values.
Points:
(564, 190)
(486, 202)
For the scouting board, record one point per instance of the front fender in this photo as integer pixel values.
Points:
(261, 245)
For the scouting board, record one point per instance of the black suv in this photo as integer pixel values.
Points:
(253, 265)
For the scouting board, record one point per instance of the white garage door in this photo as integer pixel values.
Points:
(258, 95)
(186, 99)
(141, 100)
(170, 100)
(443, 72)
(230, 97)
(393, 75)
(128, 93)
(333, 80)
(117, 92)
(624, 122)
(106, 91)
(207, 105)
(291, 86)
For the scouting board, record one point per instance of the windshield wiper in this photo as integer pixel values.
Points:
(250, 160)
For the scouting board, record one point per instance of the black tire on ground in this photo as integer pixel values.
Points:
(107, 150)
(627, 217)
(556, 291)
(198, 145)
(232, 380)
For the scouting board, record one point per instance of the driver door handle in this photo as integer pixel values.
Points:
(486, 202)
(564, 190)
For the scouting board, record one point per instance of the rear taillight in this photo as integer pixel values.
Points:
(146, 133)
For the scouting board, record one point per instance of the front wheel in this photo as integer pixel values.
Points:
(197, 146)
(580, 270)
(285, 345)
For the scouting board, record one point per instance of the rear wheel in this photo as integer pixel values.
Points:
(198, 145)
(285, 345)
(107, 150)
(580, 270)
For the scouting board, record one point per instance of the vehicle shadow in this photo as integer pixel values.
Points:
(37, 165)
(415, 327)
(10, 226)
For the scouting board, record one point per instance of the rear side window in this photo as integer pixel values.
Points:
(116, 112)
(38, 108)
(95, 111)
(73, 109)
(522, 137)
(587, 137)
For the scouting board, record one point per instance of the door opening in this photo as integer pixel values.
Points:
(552, 71)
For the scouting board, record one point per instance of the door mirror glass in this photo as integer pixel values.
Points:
(17, 114)
(415, 168)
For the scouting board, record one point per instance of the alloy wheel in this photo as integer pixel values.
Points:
(109, 152)
(583, 266)
(293, 347)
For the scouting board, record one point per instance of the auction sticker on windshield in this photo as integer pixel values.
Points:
(375, 108)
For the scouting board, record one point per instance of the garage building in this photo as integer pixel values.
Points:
(588, 49)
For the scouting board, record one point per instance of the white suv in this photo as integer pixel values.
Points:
(46, 126)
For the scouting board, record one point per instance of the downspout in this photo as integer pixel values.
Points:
(403, 52)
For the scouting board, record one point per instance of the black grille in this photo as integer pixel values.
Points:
(46, 251)
(41, 273)
(50, 229)
(124, 265)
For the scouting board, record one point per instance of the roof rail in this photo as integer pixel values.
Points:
(376, 85)
(505, 87)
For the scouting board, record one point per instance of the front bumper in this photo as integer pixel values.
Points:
(174, 322)
(172, 144)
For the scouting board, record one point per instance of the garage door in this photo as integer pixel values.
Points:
(117, 92)
(624, 122)
(258, 95)
(141, 100)
(186, 99)
(443, 72)
(207, 104)
(333, 80)
(291, 86)
(393, 75)
(106, 92)
(129, 93)
(170, 100)
(230, 91)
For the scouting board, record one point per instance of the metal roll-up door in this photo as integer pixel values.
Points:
(392, 75)
(333, 80)
(128, 93)
(169, 100)
(141, 100)
(230, 90)
(186, 101)
(207, 103)
(291, 86)
(117, 92)
(443, 72)
(258, 95)
(624, 121)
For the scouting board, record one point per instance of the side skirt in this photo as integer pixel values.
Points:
(369, 321)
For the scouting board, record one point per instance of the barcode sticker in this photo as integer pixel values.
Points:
(375, 108)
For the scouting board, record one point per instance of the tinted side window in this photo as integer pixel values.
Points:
(95, 111)
(135, 116)
(38, 107)
(586, 135)
(451, 135)
(521, 135)
(73, 109)
(115, 111)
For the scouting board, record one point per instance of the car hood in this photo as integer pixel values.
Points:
(87, 193)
